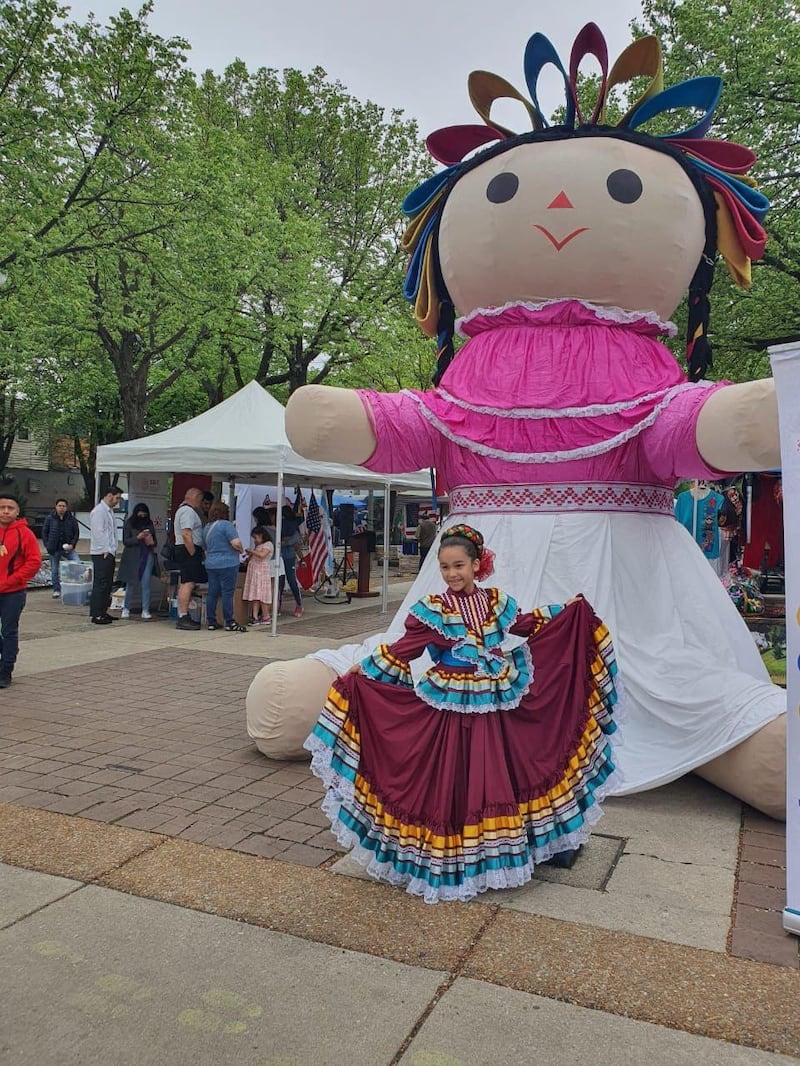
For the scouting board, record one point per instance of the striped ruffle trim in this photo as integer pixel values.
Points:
(496, 852)
(381, 665)
(433, 611)
(478, 694)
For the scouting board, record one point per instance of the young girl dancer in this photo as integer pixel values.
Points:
(493, 760)
(257, 582)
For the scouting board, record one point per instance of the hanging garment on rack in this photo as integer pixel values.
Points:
(701, 518)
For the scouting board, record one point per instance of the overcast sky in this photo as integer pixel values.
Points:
(414, 55)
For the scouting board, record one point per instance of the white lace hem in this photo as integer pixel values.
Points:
(592, 411)
(340, 789)
(585, 452)
(507, 877)
(610, 314)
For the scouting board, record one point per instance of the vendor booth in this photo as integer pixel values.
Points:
(243, 440)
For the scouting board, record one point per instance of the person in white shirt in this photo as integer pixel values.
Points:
(103, 548)
(188, 527)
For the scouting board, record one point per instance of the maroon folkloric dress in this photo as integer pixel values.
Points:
(491, 762)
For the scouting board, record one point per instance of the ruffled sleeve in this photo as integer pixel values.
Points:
(390, 662)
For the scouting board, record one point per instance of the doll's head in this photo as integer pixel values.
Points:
(610, 215)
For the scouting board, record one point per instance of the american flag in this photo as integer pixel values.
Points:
(318, 537)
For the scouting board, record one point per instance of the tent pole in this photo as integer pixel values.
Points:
(97, 487)
(232, 483)
(387, 528)
(277, 554)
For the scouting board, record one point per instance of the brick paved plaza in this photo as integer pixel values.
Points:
(155, 739)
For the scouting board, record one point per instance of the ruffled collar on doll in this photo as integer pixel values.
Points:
(561, 313)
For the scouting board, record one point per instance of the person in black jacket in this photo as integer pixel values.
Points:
(59, 536)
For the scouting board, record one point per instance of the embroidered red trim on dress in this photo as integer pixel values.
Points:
(580, 496)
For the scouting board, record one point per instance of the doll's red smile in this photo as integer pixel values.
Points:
(556, 243)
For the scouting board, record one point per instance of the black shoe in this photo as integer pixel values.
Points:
(564, 860)
(109, 618)
(187, 622)
(5, 680)
(104, 620)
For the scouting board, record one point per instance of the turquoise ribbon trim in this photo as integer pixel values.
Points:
(377, 668)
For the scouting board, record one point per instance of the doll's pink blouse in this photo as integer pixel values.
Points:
(561, 392)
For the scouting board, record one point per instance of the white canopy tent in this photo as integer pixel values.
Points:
(244, 439)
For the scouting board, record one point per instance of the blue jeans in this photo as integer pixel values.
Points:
(55, 559)
(289, 557)
(11, 604)
(221, 583)
(145, 582)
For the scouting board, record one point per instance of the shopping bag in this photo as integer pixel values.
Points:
(305, 573)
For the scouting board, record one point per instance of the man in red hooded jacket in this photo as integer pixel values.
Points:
(20, 559)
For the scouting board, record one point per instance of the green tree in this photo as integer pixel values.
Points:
(129, 294)
(755, 47)
(190, 235)
(323, 176)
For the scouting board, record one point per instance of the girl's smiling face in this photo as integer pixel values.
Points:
(600, 219)
(457, 568)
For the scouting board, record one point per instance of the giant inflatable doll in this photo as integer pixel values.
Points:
(562, 425)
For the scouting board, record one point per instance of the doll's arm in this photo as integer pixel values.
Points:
(383, 431)
(737, 428)
(329, 425)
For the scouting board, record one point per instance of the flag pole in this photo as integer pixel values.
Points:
(277, 553)
(785, 359)
(387, 528)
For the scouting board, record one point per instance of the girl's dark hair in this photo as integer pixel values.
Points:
(264, 533)
(459, 542)
(137, 510)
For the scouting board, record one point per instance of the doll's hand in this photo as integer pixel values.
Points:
(355, 669)
(327, 423)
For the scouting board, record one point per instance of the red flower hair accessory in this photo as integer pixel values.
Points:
(486, 567)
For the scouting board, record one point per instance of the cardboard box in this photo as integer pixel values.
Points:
(240, 608)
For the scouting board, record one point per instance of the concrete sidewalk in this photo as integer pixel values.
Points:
(137, 820)
(93, 975)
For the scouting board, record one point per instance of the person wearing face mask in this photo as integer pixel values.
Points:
(139, 559)
(20, 559)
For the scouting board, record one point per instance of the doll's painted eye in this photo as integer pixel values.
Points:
(624, 186)
(502, 188)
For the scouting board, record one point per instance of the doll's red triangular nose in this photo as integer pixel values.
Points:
(562, 200)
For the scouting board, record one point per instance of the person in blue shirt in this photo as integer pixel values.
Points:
(223, 550)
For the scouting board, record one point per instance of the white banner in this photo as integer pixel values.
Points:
(152, 490)
(785, 360)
